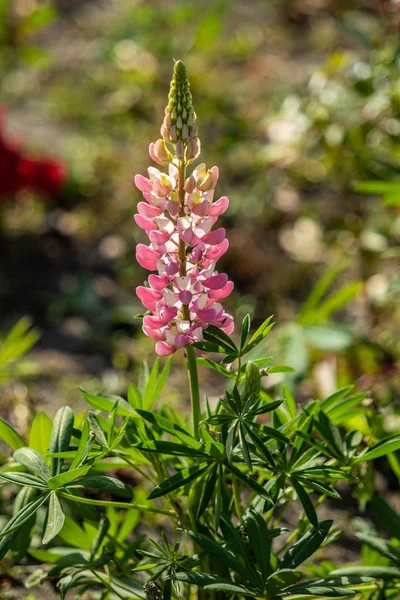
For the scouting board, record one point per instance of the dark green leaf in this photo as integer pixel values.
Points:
(245, 331)
(281, 579)
(207, 491)
(383, 447)
(178, 480)
(172, 448)
(260, 540)
(24, 479)
(306, 545)
(305, 501)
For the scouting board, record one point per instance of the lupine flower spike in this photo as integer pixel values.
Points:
(178, 216)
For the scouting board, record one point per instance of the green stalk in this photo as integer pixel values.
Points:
(194, 389)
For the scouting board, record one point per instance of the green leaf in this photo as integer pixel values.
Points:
(10, 436)
(259, 335)
(23, 516)
(135, 397)
(374, 572)
(40, 433)
(55, 519)
(259, 540)
(383, 447)
(100, 482)
(306, 545)
(207, 492)
(64, 478)
(107, 403)
(74, 535)
(381, 546)
(337, 301)
(290, 402)
(60, 436)
(330, 434)
(161, 381)
(280, 369)
(273, 433)
(388, 518)
(333, 400)
(213, 582)
(178, 480)
(251, 483)
(245, 331)
(281, 579)
(221, 337)
(216, 367)
(261, 447)
(217, 551)
(317, 486)
(23, 479)
(33, 461)
(305, 501)
(97, 429)
(172, 448)
(167, 425)
(320, 289)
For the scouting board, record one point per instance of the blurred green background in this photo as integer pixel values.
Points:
(298, 103)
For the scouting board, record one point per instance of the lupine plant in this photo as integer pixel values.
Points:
(130, 500)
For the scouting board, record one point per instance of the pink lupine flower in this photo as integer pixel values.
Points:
(178, 216)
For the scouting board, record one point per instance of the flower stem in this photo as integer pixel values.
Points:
(194, 388)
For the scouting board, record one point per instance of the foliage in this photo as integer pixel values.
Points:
(224, 495)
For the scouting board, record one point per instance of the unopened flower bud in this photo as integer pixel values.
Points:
(190, 184)
(179, 113)
(165, 133)
(180, 149)
(161, 151)
(200, 172)
(153, 154)
(253, 380)
(193, 149)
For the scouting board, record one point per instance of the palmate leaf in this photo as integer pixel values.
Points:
(306, 545)
(178, 480)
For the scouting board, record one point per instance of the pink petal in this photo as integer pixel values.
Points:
(219, 207)
(168, 313)
(143, 184)
(218, 250)
(214, 237)
(148, 297)
(158, 237)
(146, 253)
(172, 268)
(164, 349)
(172, 208)
(206, 314)
(148, 210)
(145, 223)
(222, 292)
(181, 340)
(153, 155)
(185, 297)
(201, 209)
(150, 265)
(152, 328)
(158, 283)
(216, 282)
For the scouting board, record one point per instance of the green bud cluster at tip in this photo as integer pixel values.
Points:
(180, 119)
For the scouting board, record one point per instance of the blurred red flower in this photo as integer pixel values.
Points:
(18, 171)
